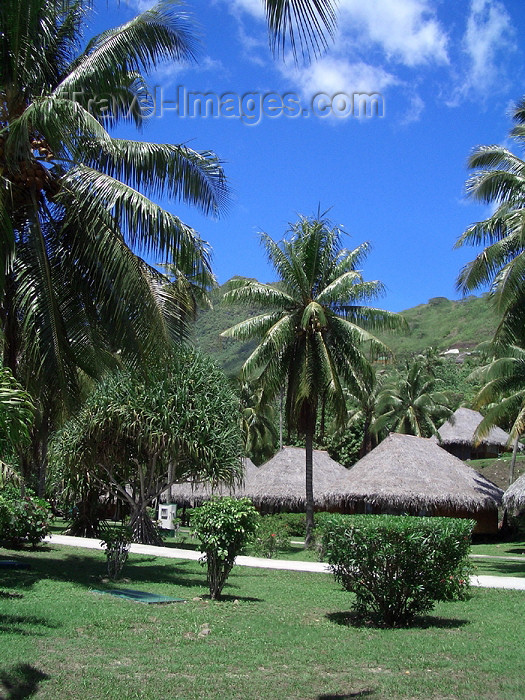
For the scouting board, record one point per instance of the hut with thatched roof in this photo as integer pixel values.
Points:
(457, 436)
(279, 484)
(194, 493)
(407, 474)
(514, 497)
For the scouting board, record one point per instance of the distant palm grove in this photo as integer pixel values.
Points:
(106, 389)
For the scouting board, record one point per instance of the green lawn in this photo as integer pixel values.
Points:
(277, 635)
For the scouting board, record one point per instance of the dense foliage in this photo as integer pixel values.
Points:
(140, 432)
(398, 566)
(224, 527)
(24, 519)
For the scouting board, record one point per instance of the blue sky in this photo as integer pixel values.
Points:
(448, 74)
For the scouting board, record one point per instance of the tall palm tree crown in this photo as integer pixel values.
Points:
(316, 335)
(76, 207)
(412, 404)
(499, 179)
(74, 200)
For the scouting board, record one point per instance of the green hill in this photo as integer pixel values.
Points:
(441, 323)
(445, 324)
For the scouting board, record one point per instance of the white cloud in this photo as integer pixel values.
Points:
(141, 5)
(332, 75)
(254, 7)
(414, 111)
(405, 30)
(489, 33)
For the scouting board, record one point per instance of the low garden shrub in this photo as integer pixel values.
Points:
(23, 519)
(117, 542)
(398, 566)
(272, 537)
(224, 527)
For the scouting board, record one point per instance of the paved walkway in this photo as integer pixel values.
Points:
(282, 564)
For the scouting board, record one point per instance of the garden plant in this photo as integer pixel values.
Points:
(398, 566)
(224, 527)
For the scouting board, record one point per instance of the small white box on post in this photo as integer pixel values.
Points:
(167, 515)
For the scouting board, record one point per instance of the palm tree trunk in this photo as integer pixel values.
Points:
(513, 460)
(309, 487)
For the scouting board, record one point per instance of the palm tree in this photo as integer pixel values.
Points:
(503, 395)
(499, 180)
(17, 414)
(412, 404)
(257, 422)
(75, 211)
(316, 332)
(363, 407)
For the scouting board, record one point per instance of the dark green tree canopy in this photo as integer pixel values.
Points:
(174, 421)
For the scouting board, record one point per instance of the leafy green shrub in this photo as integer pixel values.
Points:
(295, 523)
(272, 536)
(398, 566)
(117, 542)
(23, 519)
(224, 527)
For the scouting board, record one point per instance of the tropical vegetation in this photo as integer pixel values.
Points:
(138, 433)
(223, 526)
(315, 335)
(398, 566)
(498, 180)
(412, 403)
(77, 205)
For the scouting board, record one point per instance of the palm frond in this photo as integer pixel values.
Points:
(305, 24)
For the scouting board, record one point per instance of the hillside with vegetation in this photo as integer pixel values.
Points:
(440, 323)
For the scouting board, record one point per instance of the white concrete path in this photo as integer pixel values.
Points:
(283, 564)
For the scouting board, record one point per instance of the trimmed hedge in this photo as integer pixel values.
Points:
(398, 566)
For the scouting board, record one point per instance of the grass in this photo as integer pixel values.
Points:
(497, 470)
(277, 635)
(296, 552)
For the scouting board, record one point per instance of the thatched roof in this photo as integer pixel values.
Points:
(411, 473)
(514, 496)
(192, 493)
(280, 482)
(461, 426)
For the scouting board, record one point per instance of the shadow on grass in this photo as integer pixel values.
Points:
(86, 570)
(21, 681)
(357, 694)
(352, 619)
(517, 550)
(12, 624)
(487, 567)
(225, 598)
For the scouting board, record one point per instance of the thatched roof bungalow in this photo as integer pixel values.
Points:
(279, 484)
(193, 493)
(407, 474)
(514, 496)
(457, 436)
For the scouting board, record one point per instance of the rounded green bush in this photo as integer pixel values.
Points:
(398, 566)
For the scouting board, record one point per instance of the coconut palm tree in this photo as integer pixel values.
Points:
(412, 404)
(316, 335)
(363, 410)
(76, 207)
(499, 179)
(257, 422)
(503, 396)
(17, 414)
